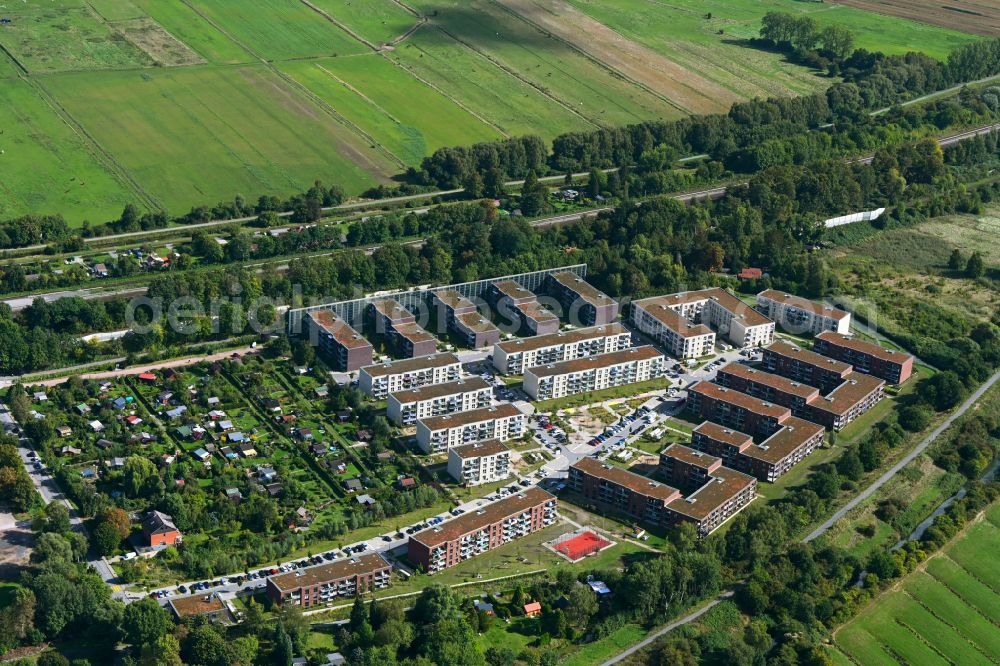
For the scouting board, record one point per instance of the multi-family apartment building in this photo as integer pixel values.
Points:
(709, 505)
(508, 291)
(680, 336)
(850, 399)
(625, 492)
(458, 314)
(536, 319)
(440, 433)
(477, 532)
(858, 394)
(583, 304)
(479, 462)
(893, 366)
(512, 357)
(400, 327)
(723, 496)
(323, 583)
(775, 454)
(687, 468)
(593, 373)
(773, 388)
(800, 315)
(346, 348)
(405, 407)
(735, 410)
(521, 307)
(802, 365)
(379, 380)
(730, 317)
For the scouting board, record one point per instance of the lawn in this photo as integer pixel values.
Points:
(48, 167)
(938, 614)
(408, 117)
(255, 135)
(278, 30)
(378, 21)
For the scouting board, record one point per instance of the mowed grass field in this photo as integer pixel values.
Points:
(389, 104)
(980, 17)
(194, 135)
(62, 166)
(175, 103)
(378, 21)
(947, 612)
(278, 30)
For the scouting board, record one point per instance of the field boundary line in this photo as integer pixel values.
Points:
(310, 95)
(116, 168)
(972, 574)
(359, 93)
(409, 33)
(945, 621)
(514, 73)
(600, 63)
(446, 95)
(14, 59)
(956, 592)
(920, 638)
(340, 25)
(337, 116)
(408, 8)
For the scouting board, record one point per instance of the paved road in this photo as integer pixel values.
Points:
(50, 491)
(690, 617)
(920, 448)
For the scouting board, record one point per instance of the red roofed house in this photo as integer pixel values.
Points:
(532, 609)
(159, 530)
(147, 377)
(750, 274)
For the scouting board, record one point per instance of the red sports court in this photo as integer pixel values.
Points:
(581, 545)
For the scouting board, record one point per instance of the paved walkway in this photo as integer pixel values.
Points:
(907, 459)
(690, 617)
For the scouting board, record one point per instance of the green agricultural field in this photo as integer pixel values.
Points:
(117, 10)
(546, 63)
(378, 21)
(216, 132)
(49, 168)
(278, 30)
(741, 20)
(166, 103)
(389, 104)
(681, 32)
(474, 81)
(68, 35)
(946, 613)
(196, 31)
